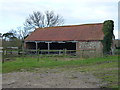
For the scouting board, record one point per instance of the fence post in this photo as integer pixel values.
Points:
(11, 51)
(59, 52)
(82, 53)
(65, 52)
(38, 54)
(5, 52)
(3, 56)
(23, 55)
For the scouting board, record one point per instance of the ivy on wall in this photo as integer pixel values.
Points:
(108, 27)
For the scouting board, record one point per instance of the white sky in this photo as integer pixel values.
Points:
(14, 12)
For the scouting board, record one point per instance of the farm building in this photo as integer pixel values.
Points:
(85, 37)
(117, 43)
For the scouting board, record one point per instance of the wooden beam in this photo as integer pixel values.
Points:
(48, 47)
(47, 42)
(61, 42)
(36, 47)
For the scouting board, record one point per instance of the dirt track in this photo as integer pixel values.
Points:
(53, 78)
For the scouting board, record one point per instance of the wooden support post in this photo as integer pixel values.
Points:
(38, 55)
(48, 47)
(36, 47)
(65, 51)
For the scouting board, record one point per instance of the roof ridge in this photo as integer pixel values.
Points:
(71, 25)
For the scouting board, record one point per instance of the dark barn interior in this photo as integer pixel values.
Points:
(52, 46)
(61, 46)
(30, 45)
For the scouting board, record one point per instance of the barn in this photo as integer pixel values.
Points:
(85, 37)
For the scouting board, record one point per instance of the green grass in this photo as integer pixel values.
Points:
(105, 68)
(106, 71)
(49, 62)
(117, 51)
(0, 67)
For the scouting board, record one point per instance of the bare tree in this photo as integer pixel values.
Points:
(22, 32)
(37, 19)
(34, 20)
(52, 19)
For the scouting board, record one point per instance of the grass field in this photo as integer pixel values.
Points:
(105, 68)
(0, 67)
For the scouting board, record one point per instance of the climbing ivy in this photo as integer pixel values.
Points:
(108, 34)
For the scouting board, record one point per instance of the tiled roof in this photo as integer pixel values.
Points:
(68, 33)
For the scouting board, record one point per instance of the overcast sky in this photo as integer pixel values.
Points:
(14, 12)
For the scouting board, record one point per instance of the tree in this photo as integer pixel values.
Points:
(0, 34)
(10, 39)
(108, 27)
(37, 19)
(8, 36)
(52, 19)
(23, 32)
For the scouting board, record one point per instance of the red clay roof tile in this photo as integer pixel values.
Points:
(68, 33)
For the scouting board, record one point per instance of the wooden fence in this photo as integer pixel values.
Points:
(9, 53)
(16, 52)
(33, 51)
(6, 54)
